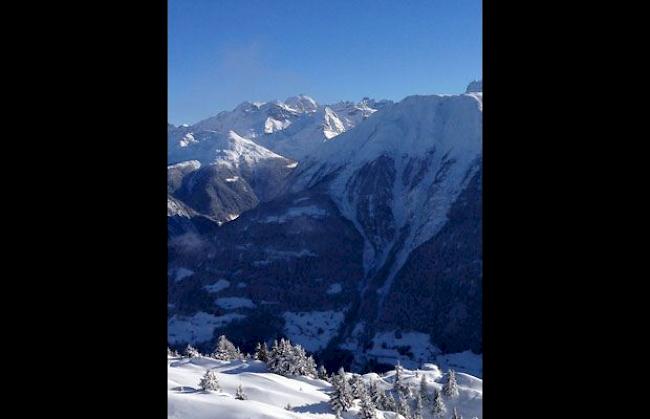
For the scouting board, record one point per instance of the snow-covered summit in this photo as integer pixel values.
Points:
(291, 128)
(211, 147)
(475, 87)
(450, 124)
(301, 103)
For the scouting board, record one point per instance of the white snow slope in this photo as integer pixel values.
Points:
(211, 147)
(433, 143)
(268, 394)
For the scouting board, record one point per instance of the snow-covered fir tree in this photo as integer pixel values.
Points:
(286, 359)
(358, 387)
(225, 350)
(438, 408)
(322, 373)
(388, 402)
(262, 352)
(399, 385)
(367, 408)
(419, 408)
(191, 351)
(424, 390)
(209, 382)
(278, 357)
(403, 407)
(239, 394)
(309, 367)
(341, 398)
(376, 396)
(456, 415)
(450, 388)
(303, 364)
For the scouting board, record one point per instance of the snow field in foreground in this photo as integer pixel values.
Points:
(268, 394)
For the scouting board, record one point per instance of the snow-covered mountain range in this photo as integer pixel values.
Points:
(352, 228)
(293, 128)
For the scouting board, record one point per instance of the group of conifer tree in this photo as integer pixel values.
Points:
(286, 359)
(402, 398)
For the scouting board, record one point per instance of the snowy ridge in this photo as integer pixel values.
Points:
(293, 128)
(332, 125)
(301, 103)
(251, 120)
(475, 87)
(177, 208)
(185, 165)
(425, 147)
(211, 147)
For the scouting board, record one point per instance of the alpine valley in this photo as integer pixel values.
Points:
(352, 229)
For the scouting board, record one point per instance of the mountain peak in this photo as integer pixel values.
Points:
(475, 87)
(302, 103)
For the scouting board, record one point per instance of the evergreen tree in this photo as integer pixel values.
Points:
(367, 410)
(209, 382)
(424, 390)
(438, 409)
(279, 357)
(450, 388)
(376, 396)
(262, 352)
(303, 364)
(403, 407)
(341, 397)
(399, 385)
(273, 356)
(191, 352)
(322, 373)
(225, 350)
(239, 394)
(285, 359)
(455, 415)
(417, 412)
(357, 386)
(389, 402)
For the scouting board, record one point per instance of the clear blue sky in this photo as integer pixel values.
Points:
(223, 52)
